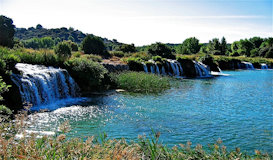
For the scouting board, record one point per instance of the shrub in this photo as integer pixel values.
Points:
(135, 64)
(127, 48)
(141, 82)
(63, 50)
(92, 57)
(94, 45)
(73, 45)
(160, 49)
(142, 55)
(117, 53)
(87, 73)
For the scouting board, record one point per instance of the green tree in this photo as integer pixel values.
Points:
(257, 41)
(73, 45)
(127, 48)
(223, 46)
(189, 46)
(46, 42)
(94, 45)
(244, 47)
(6, 31)
(160, 49)
(63, 50)
(214, 46)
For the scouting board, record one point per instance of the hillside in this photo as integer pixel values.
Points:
(63, 33)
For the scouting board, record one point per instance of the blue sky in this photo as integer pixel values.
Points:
(148, 21)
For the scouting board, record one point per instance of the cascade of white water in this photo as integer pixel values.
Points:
(163, 71)
(181, 69)
(152, 69)
(201, 69)
(264, 66)
(145, 67)
(157, 69)
(43, 85)
(248, 65)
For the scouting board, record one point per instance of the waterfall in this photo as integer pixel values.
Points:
(264, 66)
(248, 65)
(201, 69)
(145, 67)
(152, 69)
(176, 67)
(157, 69)
(43, 85)
(163, 71)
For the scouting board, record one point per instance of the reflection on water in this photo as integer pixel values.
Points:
(236, 108)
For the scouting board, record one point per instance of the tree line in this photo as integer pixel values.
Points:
(75, 40)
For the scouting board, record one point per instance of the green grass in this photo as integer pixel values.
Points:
(140, 82)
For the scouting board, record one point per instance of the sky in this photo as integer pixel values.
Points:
(143, 22)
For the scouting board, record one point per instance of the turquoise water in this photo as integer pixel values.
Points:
(235, 108)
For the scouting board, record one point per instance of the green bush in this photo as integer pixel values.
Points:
(141, 82)
(63, 49)
(92, 57)
(160, 49)
(94, 45)
(87, 73)
(117, 53)
(135, 64)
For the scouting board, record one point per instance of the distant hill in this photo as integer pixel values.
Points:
(63, 33)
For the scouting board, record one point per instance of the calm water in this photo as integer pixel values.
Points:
(235, 108)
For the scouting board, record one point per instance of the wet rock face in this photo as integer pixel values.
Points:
(229, 65)
(188, 67)
(12, 98)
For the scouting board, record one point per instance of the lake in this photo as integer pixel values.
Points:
(236, 108)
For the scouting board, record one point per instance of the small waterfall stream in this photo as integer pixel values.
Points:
(264, 66)
(248, 65)
(40, 85)
(174, 68)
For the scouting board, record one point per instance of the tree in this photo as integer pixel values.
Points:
(94, 45)
(214, 46)
(257, 41)
(39, 26)
(223, 46)
(6, 31)
(127, 48)
(63, 50)
(73, 45)
(160, 49)
(244, 47)
(189, 46)
(46, 42)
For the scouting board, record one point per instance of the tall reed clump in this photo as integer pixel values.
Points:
(141, 82)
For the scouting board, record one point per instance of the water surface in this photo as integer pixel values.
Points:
(235, 108)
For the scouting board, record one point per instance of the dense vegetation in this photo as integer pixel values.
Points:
(142, 83)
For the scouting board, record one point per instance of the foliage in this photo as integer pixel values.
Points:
(37, 43)
(95, 58)
(3, 88)
(127, 48)
(223, 47)
(160, 49)
(87, 73)
(135, 64)
(6, 31)
(94, 45)
(189, 46)
(117, 53)
(63, 49)
(73, 45)
(141, 82)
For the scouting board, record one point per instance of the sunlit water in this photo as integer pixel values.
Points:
(235, 108)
